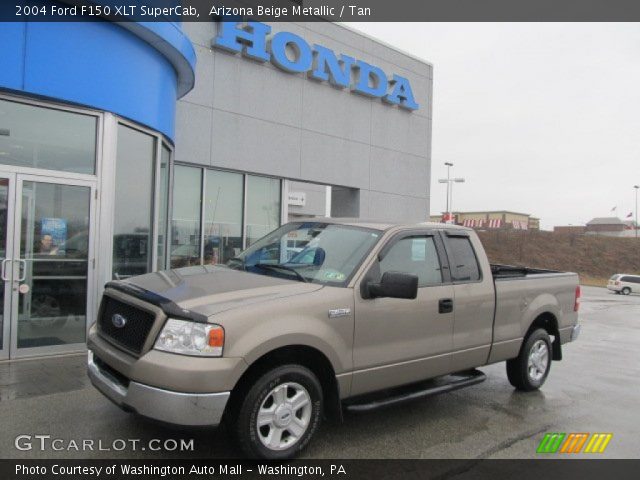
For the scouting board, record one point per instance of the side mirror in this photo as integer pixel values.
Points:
(319, 256)
(395, 285)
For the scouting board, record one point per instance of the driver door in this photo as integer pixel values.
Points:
(399, 341)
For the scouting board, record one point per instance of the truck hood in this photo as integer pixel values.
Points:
(208, 290)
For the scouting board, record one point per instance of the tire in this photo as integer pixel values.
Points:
(529, 370)
(271, 399)
(626, 291)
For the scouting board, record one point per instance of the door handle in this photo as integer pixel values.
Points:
(445, 305)
(4, 269)
(23, 276)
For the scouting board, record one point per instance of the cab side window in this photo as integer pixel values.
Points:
(416, 255)
(464, 264)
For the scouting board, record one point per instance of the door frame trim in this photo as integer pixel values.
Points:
(5, 345)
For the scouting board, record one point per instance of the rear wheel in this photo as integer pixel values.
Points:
(529, 370)
(279, 414)
(626, 291)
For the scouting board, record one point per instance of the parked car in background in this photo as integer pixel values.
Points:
(624, 283)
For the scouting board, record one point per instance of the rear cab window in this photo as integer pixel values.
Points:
(462, 259)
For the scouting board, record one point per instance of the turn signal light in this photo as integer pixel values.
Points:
(216, 337)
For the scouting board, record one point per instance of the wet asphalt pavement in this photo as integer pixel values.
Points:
(596, 388)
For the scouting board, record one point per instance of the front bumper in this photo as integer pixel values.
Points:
(194, 409)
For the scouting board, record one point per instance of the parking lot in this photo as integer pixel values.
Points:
(594, 389)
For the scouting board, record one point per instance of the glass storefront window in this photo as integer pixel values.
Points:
(132, 229)
(212, 233)
(185, 225)
(263, 207)
(222, 216)
(163, 200)
(37, 137)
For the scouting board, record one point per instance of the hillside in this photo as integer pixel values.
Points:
(594, 258)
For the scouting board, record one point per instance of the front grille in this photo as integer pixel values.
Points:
(133, 334)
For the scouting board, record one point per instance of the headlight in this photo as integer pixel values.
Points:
(191, 338)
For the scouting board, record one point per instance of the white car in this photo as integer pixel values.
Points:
(624, 283)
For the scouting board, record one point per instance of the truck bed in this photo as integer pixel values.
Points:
(524, 293)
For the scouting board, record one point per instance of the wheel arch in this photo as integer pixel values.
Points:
(549, 322)
(298, 354)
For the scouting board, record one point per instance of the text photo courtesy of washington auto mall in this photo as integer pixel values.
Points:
(319, 238)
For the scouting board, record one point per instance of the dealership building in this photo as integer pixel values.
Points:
(133, 147)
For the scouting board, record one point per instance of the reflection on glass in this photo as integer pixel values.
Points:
(40, 137)
(222, 216)
(4, 209)
(263, 206)
(185, 224)
(309, 252)
(54, 245)
(163, 196)
(133, 203)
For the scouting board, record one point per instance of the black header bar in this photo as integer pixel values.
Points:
(319, 10)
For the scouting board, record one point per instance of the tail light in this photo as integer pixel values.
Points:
(576, 304)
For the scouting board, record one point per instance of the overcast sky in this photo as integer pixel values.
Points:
(540, 118)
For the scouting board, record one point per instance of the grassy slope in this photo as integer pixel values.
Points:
(594, 258)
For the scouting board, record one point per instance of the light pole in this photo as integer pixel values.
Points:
(450, 181)
(636, 222)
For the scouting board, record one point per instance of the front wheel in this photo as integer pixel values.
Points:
(529, 370)
(279, 414)
(626, 291)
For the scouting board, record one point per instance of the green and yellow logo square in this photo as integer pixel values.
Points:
(574, 443)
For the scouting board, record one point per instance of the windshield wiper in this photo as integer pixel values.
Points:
(268, 266)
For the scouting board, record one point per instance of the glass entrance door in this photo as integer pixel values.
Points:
(47, 270)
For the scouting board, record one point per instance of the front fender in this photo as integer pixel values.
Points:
(254, 330)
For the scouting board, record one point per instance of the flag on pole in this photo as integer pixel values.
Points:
(614, 209)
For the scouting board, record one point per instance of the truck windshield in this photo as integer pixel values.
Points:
(309, 252)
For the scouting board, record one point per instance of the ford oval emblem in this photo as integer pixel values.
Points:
(118, 320)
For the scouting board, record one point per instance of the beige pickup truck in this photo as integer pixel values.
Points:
(322, 316)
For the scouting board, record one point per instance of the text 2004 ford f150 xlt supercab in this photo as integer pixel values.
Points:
(320, 316)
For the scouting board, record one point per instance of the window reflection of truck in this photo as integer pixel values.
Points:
(130, 254)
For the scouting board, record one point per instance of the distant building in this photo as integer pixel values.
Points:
(570, 229)
(610, 227)
(492, 219)
(605, 224)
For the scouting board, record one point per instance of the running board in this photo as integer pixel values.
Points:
(387, 398)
